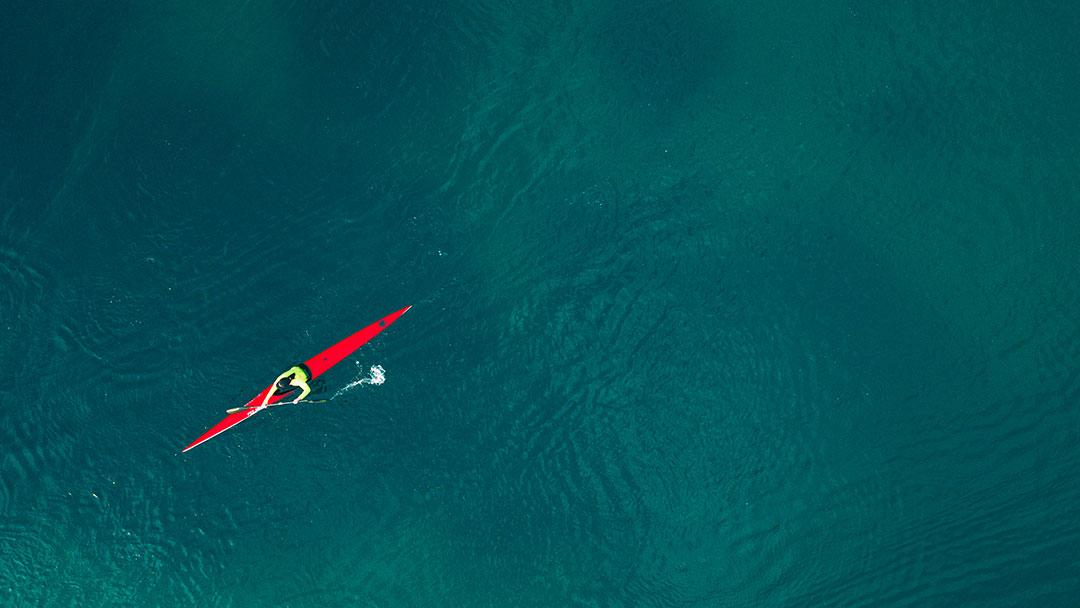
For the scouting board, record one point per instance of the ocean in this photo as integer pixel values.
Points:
(715, 304)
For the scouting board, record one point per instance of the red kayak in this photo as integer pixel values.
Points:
(317, 364)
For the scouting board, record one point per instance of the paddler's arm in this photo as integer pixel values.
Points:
(273, 386)
(305, 390)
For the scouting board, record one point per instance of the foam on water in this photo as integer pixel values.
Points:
(376, 376)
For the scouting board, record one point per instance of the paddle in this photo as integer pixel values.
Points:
(239, 409)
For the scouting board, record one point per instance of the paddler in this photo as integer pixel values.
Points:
(296, 377)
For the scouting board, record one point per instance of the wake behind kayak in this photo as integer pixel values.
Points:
(317, 366)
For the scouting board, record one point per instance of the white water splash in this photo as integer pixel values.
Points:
(376, 376)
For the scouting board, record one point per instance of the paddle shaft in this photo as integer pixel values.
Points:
(237, 409)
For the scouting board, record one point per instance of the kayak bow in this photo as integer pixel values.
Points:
(317, 364)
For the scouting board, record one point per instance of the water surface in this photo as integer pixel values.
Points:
(715, 304)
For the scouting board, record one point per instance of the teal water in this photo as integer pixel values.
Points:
(715, 304)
